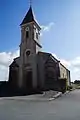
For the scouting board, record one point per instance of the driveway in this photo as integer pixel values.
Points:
(66, 107)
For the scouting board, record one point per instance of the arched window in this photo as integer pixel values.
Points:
(36, 35)
(27, 32)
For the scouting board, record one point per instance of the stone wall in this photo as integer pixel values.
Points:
(51, 74)
(64, 73)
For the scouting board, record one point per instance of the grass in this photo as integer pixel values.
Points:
(76, 86)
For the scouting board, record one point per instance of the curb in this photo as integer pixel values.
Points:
(67, 92)
(25, 100)
(58, 95)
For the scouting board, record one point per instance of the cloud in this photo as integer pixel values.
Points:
(5, 60)
(7, 57)
(75, 68)
(64, 62)
(46, 28)
(76, 62)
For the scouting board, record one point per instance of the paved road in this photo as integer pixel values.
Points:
(63, 108)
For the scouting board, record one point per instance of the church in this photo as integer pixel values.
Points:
(34, 70)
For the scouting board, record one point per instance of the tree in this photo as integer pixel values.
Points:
(77, 82)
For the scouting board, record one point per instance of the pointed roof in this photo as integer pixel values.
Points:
(29, 17)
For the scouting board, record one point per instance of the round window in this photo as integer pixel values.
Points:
(28, 52)
(27, 28)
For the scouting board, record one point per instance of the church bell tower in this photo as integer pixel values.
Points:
(30, 35)
(29, 47)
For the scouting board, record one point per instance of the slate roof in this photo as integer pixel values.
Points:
(49, 55)
(29, 17)
(15, 63)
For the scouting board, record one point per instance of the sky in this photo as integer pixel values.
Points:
(60, 35)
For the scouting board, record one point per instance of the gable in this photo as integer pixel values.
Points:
(15, 63)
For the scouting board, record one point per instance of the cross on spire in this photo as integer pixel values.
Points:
(30, 2)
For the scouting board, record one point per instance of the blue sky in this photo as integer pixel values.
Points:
(63, 37)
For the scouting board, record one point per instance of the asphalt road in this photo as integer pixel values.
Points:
(63, 108)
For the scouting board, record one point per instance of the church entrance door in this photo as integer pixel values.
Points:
(29, 81)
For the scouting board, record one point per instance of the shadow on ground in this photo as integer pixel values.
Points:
(8, 91)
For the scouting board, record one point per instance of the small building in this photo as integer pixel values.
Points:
(34, 70)
(65, 74)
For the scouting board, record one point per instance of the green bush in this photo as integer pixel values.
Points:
(78, 87)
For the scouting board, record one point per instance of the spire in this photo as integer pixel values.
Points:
(29, 16)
